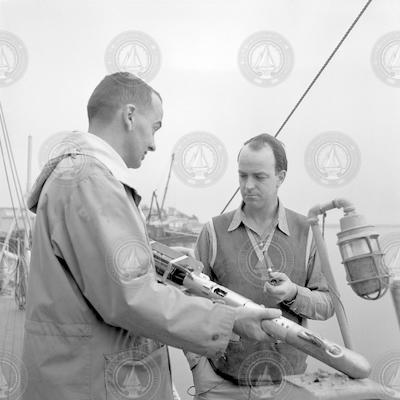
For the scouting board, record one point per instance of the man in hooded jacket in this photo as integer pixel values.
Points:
(97, 320)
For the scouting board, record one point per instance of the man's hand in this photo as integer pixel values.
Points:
(280, 287)
(248, 322)
(185, 250)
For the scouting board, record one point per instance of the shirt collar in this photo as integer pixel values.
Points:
(239, 218)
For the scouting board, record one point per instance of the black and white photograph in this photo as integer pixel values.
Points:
(199, 200)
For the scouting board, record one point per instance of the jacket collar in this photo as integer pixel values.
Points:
(92, 145)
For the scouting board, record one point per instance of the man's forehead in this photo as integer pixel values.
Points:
(256, 160)
(157, 106)
(263, 153)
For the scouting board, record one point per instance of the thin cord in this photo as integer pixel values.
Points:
(313, 82)
(324, 66)
(229, 202)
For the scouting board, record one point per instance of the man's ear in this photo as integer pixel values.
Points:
(128, 115)
(281, 176)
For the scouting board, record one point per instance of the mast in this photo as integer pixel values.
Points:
(166, 185)
(29, 165)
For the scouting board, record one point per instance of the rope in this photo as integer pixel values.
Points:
(314, 80)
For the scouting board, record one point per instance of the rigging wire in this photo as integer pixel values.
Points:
(8, 183)
(313, 82)
(9, 312)
(11, 169)
(14, 171)
(324, 66)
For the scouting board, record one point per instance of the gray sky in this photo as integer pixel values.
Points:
(204, 90)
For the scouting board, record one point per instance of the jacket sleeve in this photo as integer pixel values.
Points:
(204, 253)
(101, 240)
(314, 300)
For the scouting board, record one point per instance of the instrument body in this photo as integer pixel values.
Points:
(185, 272)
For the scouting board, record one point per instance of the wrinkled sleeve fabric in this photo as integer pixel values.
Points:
(203, 253)
(98, 224)
(314, 300)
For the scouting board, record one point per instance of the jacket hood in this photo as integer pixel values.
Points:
(68, 142)
(79, 143)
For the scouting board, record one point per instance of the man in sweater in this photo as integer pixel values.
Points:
(97, 321)
(265, 252)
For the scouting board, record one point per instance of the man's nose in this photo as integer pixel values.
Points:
(249, 183)
(152, 145)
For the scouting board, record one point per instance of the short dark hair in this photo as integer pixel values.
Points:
(118, 89)
(264, 139)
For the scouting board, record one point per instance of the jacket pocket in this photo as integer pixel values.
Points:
(134, 374)
(58, 359)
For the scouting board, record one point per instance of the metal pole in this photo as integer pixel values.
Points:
(166, 185)
(327, 271)
(29, 165)
(395, 290)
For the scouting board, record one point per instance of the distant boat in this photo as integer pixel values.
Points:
(174, 228)
(170, 227)
(12, 241)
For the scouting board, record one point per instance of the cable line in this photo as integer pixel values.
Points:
(313, 82)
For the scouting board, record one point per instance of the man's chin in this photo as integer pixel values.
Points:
(135, 164)
(251, 199)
